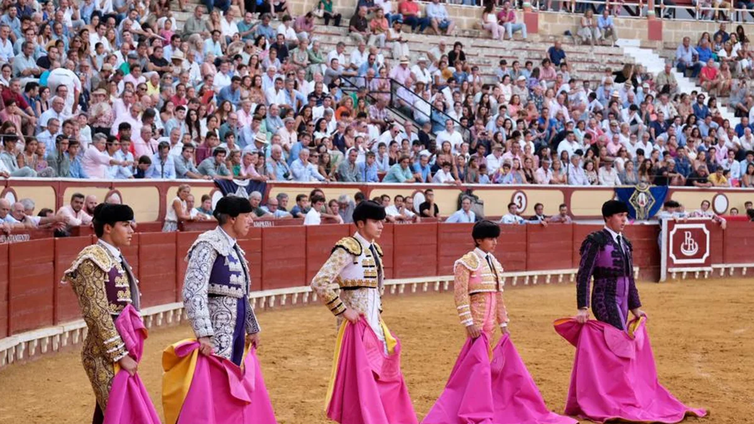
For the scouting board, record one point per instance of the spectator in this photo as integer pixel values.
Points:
(348, 170)
(358, 28)
(512, 217)
(178, 211)
(463, 215)
(255, 198)
(539, 215)
(428, 208)
(368, 170)
(562, 215)
(205, 207)
(556, 54)
(303, 170)
(163, 165)
(409, 10)
(608, 175)
(606, 26)
(400, 172)
(398, 211)
(301, 207)
(507, 18)
(699, 178)
(313, 216)
(96, 160)
(273, 208)
(73, 214)
(687, 58)
(439, 18)
(214, 166)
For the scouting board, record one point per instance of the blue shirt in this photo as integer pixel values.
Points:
(423, 171)
(368, 173)
(397, 174)
(603, 22)
(701, 112)
(226, 93)
(461, 216)
(556, 55)
(265, 30)
(704, 54)
(76, 170)
(161, 169)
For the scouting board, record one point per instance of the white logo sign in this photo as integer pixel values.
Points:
(689, 247)
(682, 236)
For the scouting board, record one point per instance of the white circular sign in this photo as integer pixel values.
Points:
(519, 198)
(720, 203)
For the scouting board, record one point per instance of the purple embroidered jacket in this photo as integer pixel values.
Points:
(614, 293)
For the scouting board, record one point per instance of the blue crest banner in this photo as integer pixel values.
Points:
(240, 188)
(644, 201)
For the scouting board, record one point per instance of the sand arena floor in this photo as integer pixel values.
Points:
(701, 331)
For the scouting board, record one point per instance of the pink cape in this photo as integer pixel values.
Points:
(129, 401)
(368, 387)
(222, 392)
(499, 391)
(614, 375)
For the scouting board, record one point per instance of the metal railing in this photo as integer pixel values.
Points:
(398, 98)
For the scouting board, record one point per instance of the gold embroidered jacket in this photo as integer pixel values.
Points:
(349, 274)
(472, 278)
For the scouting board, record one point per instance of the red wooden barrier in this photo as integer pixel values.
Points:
(549, 247)
(66, 303)
(131, 253)
(284, 253)
(579, 234)
(453, 241)
(252, 246)
(646, 251)
(414, 250)
(739, 243)
(717, 244)
(4, 268)
(511, 247)
(32, 274)
(158, 280)
(320, 240)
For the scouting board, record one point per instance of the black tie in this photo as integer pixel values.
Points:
(162, 169)
(377, 261)
(493, 269)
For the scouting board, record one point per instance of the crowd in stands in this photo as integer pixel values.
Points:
(117, 91)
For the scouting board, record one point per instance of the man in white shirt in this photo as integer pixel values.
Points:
(420, 72)
(443, 175)
(275, 94)
(576, 174)
(463, 215)
(359, 55)
(439, 17)
(543, 175)
(495, 159)
(398, 211)
(65, 77)
(313, 217)
(450, 134)
(608, 175)
(228, 27)
(512, 216)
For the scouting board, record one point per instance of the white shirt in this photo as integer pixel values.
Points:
(312, 217)
(228, 29)
(510, 218)
(110, 248)
(441, 177)
(608, 178)
(615, 238)
(455, 139)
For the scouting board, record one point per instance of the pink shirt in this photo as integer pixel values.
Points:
(95, 163)
(75, 218)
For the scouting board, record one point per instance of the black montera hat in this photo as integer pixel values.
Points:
(368, 210)
(485, 229)
(612, 207)
(232, 206)
(108, 213)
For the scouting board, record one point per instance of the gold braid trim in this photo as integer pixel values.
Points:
(350, 245)
(470, 261)
(95, 253)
